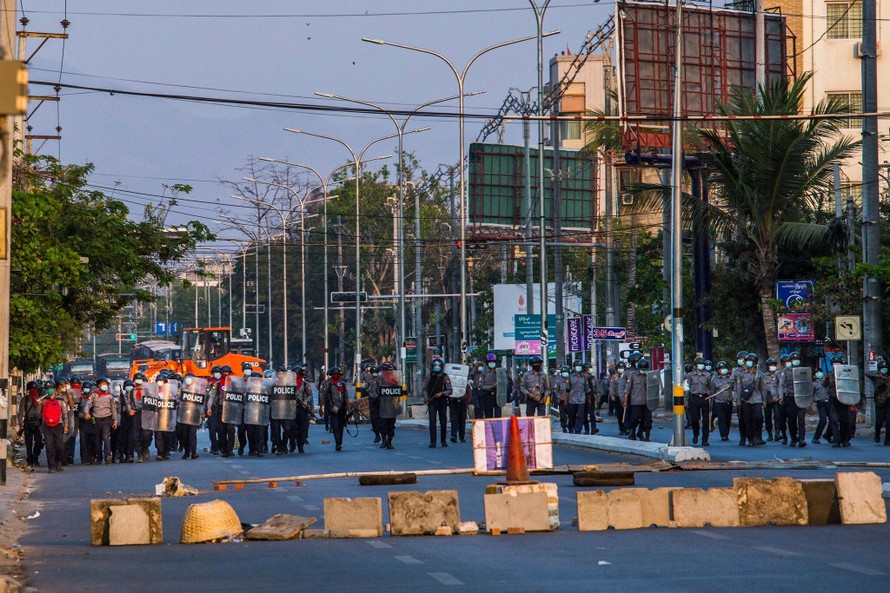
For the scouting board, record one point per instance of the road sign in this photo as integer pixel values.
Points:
(348, 297)
(848, 327)
(125, 337)
(410, 348)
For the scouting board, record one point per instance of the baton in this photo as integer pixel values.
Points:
(718, 393)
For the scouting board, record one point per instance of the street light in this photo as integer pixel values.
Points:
(400, 239)
(357, 162)
(324, 183)
(460, 76)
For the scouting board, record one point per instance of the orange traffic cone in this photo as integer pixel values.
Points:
(517, 469)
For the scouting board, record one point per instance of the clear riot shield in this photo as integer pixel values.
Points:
(256, 402)
(233, 400)
(192, 401)
(168, 393)
(802, 382)
(502, 394)
(846, 380)
(149, 406)
(458, 373)
(283, 399)
(116, 387)
(653, 389)
(390, 394)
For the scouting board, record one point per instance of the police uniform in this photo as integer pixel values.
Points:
(486, 382)
(772, 397)
(370, 391)
(699, 405)
(882, 403)
(305, 410)
(721, 385)
(635, 396)
(534, 387)
(336, 402)
(749, 395)
(576, 399)
(820, 395)
(789, 408)
(436, 392)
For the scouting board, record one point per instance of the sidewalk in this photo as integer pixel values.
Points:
(13, 514)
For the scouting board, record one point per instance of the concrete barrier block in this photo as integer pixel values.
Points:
(527, 511)
(822, 503)
(859, 498)
(655, 507)
(152, 507)
(693, 507)
(100, 511)
(624, 508)
(423, 513)
(593, 510)
(100, 518)
(345, 514)
(467, 528)
(280, 527)
(128, 526)
(780, 501)
(548, 488)
(350, 533)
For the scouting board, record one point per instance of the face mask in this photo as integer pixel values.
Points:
(709, 367)
(883, 370)
(579, 369)
(536, 367)
(491, 365)
(565, 375)
(217, 375)
(479, 367)
(820, 375)
(795, 363)
(374, 374)
(103, 387)
(138, 381)
(50, 391)
(700, 367)
(724, 371)
(187, 380)
(749, 364)
(86, 390)
(740, 361)
(128, 388)
(437, 369)
(620, 371)
(788, 365)
(772, 369)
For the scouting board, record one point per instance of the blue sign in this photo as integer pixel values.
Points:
(608, 333)
(796, 295)
(162, 328)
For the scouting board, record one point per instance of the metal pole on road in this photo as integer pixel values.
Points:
(461, 77)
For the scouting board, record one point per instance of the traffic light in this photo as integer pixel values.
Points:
(13, 88)
(124, 337)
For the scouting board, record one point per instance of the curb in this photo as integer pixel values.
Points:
(611, 444)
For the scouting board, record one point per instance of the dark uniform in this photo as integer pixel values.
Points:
(535, 388)
(305, 411)
(795, 417)
(635, 396)
(576, 400)
(881, 381)
(435, 394)
(699, 404)
(749, 386)
(772, 398)
(486, 382)
(335, 400)
(820, 394)
(721, 388)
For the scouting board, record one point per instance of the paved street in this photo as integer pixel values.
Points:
(59, 557)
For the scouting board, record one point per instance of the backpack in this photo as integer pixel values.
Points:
(52, 412)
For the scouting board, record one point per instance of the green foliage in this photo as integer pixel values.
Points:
(77, 259)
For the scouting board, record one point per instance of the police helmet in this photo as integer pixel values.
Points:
(140, 375)
(643, 364)
(75, 380)
(437, 361)
(742, 354)
(387, 366)
(699, 360)
(708, 363)
(226, 369)
(795, 355)
(621, 364)
(61, 382)
(246, 365)
(334, 371)
(587, 365)
(784, 358)
(882, 364)
(564, 368)
(635, 356)
(491, 357)
(770, 361)
(752, 357)
(129, 383)
(688, 367)
(31, 385)
(216, 369)
(87, 385)
(103, 380)
(536, 360)
(298, 369)
(255, 374)
(281, 369)
(840, 360)
(721, 365)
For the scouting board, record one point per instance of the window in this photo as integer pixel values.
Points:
(853, 104)
(570, 130)
(844, 20)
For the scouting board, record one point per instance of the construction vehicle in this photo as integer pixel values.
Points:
(199, 350)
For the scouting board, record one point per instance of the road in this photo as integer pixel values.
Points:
(59, 557)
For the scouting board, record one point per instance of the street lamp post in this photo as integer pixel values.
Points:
(357, 162)
(460, 76)
(400, 239)
(324, 183)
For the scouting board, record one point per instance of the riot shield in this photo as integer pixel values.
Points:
(192, 401)
(502, 395)
(846, 380)
(116, 387)
(458, 373)
(149, 406)
(653, 389)
(256, 402)
(802, 378)
(233, 400)
(283, 400)
(390, 394)
(168, 394)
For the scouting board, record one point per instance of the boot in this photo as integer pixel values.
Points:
(389, 442)
(383, 444)
(376, 437)
(770, 436)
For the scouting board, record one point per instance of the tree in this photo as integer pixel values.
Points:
(77, 259)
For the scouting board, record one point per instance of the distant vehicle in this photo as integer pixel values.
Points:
(200, 350)
(113, 366)
(84, 368)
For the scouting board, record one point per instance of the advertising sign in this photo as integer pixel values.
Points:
(511, 300)
(795, 294)
(491, 443)
(796, 327)
(527, 335)
(574, 335)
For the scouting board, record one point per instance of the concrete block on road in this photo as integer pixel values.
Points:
(548, 488)
(655, 506)
(619, 445)
(423, 513)
(771, 502)
(100, 518)
(822, 503)
(625, 508)
(527, 511)
(128, 526)
(693, 507)
(593, 510)
(344, 514)
(859, 498)
(467, 528)
(280, 528)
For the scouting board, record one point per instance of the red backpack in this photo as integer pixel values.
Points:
(52, 412)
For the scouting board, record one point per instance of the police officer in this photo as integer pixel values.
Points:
(29, 420)
(436, 392)
(369, 390)
(795, 422)
(487, 383)
(561, 389)
(305, 411)
(390, 387)
(139, 439)
(213, 408)
(591, 406)
(576, 398)
(188, 434)
(838, 412)
(635, 395)
(820, 395)
(103, 406)
(457, 410)
(335, 399)
(749, 388)
(720, 387)
(772, 398)
(535, 388)
(736, 372)
(243, 438)
(226, 432)
(699, 404)
(616, 394)
(881, 381)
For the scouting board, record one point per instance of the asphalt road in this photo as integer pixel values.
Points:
(59, 557)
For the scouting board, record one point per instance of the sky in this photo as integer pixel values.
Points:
(270, 50)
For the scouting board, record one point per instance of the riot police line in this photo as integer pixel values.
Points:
(117, 421)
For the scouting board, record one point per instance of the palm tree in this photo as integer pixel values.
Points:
(766, 176)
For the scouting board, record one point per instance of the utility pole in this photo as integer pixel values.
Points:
(558, 272)
(341, 271)
(760, 43)
(527, 206)
(418, 290)
(871, 228)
